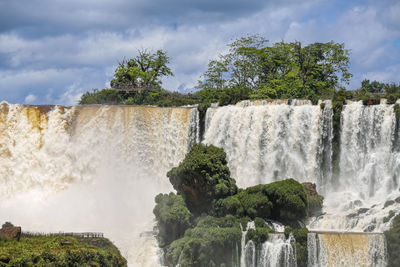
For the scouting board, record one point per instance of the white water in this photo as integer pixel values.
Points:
(369, 171)
(277, 251)
(98, 168)
(266, 141)
(91, 168)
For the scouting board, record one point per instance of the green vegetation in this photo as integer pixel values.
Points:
(396, 109)
(393, 242)
(153, 96)
(202, 225)
(282, 70)
(59, 250)
(173, 218)
(390, 216)
(258, 235)
(300, 236)
(142, 71)
(285, 201)
(7, 224)
(203, 177)
(252, 69)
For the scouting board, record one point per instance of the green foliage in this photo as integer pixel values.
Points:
(224, 222)
(105, 96)
(244, 203)
(283, 70)
(158, 97)
(288, 197)
(203, 177)
(390, 216)
(205, 246)
(217, 211)
(7, 224)
(338, 101)
(173, 217)
(393, 242)
(372, 87)
(396, 109)
(49, 251)
(282, 200)
(300, 235)
(142, 71)
(154, 96)
(258, 235)
(260, 223)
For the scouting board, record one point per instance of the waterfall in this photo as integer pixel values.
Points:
(277, 251)
(98, 168)
(346, 249)
(91, 168)
(369, 171)
(368, 162)
(267, 140)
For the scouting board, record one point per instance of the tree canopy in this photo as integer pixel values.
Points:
(144, 70)
(283, 70)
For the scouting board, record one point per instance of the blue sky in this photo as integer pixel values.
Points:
(51, 51)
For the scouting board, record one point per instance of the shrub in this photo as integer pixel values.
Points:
(173, 217)
(7, 224)
(258, 235)
(288, 197)
(203, 177)
(201, 246)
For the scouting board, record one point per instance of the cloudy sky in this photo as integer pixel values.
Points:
(51, 51)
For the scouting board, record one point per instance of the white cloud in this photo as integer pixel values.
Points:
(61, 66)
(29, 99)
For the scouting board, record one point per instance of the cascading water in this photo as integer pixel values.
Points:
(270, 140)
(277, 251)
(98, 168)
(267, 141)
(346, 249)
(91, 168)
(369, 171)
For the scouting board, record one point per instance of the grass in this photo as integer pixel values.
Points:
(59, 250)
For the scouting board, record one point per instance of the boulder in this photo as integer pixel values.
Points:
(315, 201)
(10, 233)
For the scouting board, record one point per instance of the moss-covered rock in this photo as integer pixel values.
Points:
(205, 246)
(213, 211)
(288, 198)
(258, 235)
(203, 177)
(173, 217)
(243, 204)
(393, 242)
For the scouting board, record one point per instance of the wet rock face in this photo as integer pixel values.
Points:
(314, 200)
(10, 233)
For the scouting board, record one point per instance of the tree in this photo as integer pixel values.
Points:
(144, 70)
(283, 70)
(7, 224)
(372, 87)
